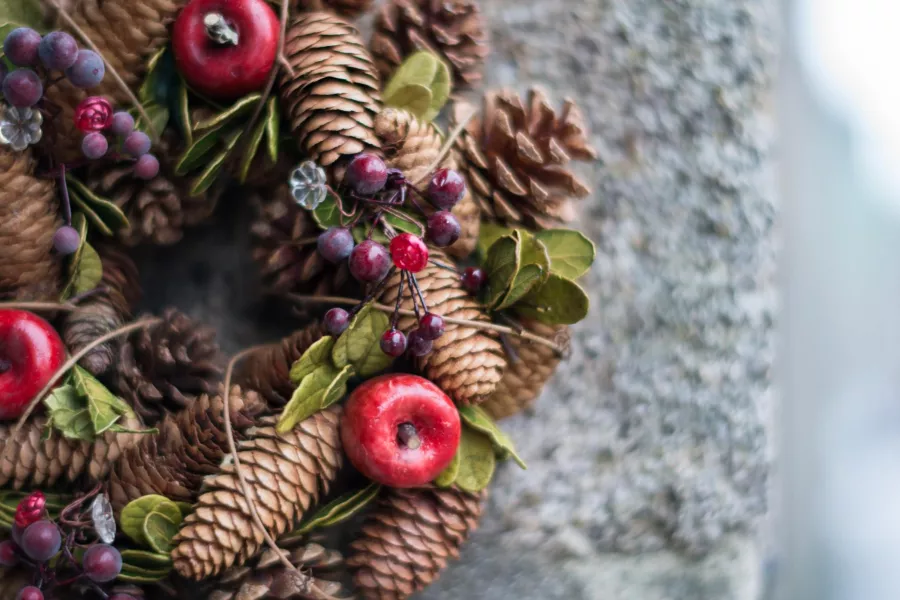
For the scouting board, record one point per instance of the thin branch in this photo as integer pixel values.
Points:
(48, 306)
(270, 83)
(448, 144)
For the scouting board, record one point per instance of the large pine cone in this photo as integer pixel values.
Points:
(165, 367)
(190, 446)
(29, 269)
(408, 538)
(466, 363)
(452, 29)
(412, 146)
(285, 474)
(516, 158)
(333, 95)
(349, 9)
(529, 370)
(268, 370)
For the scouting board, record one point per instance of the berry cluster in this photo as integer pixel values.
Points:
(95, 118)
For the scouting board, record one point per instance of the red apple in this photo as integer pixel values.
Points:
(226, 48)
(400, 430)
(30, 353)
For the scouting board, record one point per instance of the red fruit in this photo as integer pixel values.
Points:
(94, 113)
(409, 252)
(217, 64)
(30, 509)
(400, 430)
(473, 279)
(30, 353)
(366, 174)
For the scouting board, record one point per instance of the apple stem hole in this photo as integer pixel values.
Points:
(219, 31)
(5, 365)
(408, 436)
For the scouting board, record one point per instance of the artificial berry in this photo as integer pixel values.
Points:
(30, 593)
(58, 50)
(87, 71)
(30, 509)
(137, 144)
(431, 326)
(335, 244)
(8, 555)
(102, 563)
(443, 229)
(23, 88)
(31, 352)
(369, 262)
(419, 345)
(122, 124)
(446, 188)
(66, 240)
(473, 279)
(366, 174)
(409, 252)
(94, 145)
(393, 343)
(21, 46)
(94, 113)
(146, 167)
(337, 320)
(41, 541)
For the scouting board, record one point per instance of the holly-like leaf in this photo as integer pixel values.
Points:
(360, 345)
(104, 407)
(197, 152)
(534, 268)
(328, 213)
(273, 125)
(476, 418)
(139, 566)
(448, 476)
(205, 180)
(68, 414)
(131, 520)
(250, 153)
(101, 211)
(159, 529)
(337, 511)
(526, 279)
(86, 274)
(477, 461)
(317, 355)
(241, 107)
(421, 69)
(501, 266)
(557, 302)
(571, 252)
(317, 391)
(489, 233)
(412, 97)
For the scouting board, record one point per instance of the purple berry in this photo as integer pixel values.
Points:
(22, 88)
(122, 124)
(17, 533)
(370, 262)
(66, 240)
(41, 540)
(473, 279)
(58, 50)
(21, 46)
(446, 188)
(366, 174)
(336, 244)
(431, 326)
(419, 345)
(30, 592)
(102, 563)
(94, 145)
(337, 320)
(8, 556)
(87, 71)
(393, 343)
(146, 167)
(137, 144)
(443, 229)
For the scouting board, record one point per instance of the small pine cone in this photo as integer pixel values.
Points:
(285, 474)
(466, 363)
(12, 580)
(165, 367)
(454, 30)
(334, 93)
(516, 158)
(29, 269)
(409, 537)
(190, 445)
(532, 366)
(268, 370)
(412, 146)
(284, 247)
(349, 9)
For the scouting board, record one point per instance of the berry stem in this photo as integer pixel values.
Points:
(396, 316)
(408, 436)
(64, 186)
(415, 284)
(441, 265)
(409, 277)
(219, 31)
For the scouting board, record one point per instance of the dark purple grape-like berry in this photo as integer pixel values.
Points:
(58, 50)
(17, 533)
(22, 88)
(30, 592)
(336, 321)
(102, 563)
(335, 244)
(393, 343)
(137, 144)
(370, 262)
(473, 279)
(87, 71)
(66, 240)
(446, 188)
(366, 174)
(431, 326)
(443, 229)
(94, 145)
(419, 345)
(21, 46)
(122, 124)
(146, 167)
(8, 556)
(41, 541)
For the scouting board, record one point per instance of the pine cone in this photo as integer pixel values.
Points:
(284, 247)
(412, 146)
(285, 474)
(268, 370)
(408, 538)
(165, 367)
(516, 158)
(11, 581)
(466, 363)
(349, 9)
(190, 445)
(333, 95)
(532, 366)
(29, 270)
(452, 29)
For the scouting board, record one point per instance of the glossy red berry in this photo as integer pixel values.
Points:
(336, 321)
(446, 188)
(94, 113)
(418, 344)
(473, 279)
(409, 252)
(8, 555)
(370, 262)
(30, 509)
(443, 229)
(366, 174)
(393, 343)
(431, 326)
(30, 593)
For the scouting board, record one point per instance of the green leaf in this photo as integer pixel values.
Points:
(360, 345)
(412, 97)
(477, 461)
(315, 356)
(557, 302)
(476, 418)
(534, 268)
(139, 566)
(205, 180)
(195, 154)
(159, 529)
(131, 520)
(186, 508)
(414, 226)
(318, 390)
(448, 476)
(489, 233)
(532, 251)
(79, 223)
(571, 252)
(95, 220)
(21, 13)
(526, 279)
(147, 93)
(328, 213)
(104, 407)
(421, 69)
(250, 153)
(68, 414)
(85, 275)
(273, 125)
(159, 118)
(116, 428)
(337, 511)
(105, 210)
(501, 267)
(242, 106)
(182, 102)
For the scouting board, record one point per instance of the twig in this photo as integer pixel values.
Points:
(448, 144)
(49, 306)
(64, 186)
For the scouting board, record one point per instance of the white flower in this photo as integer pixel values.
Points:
(104, 519)
(20, 127)
(308, 185)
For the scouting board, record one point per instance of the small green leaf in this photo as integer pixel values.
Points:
(159, 529)
(328, 213)
(159, 118)
(205, 180)
(186, 508)
(184, 112)
(412, 97)
(68, 414)
(79, 223)
(318, 354)
(195, 154)
(476, 418)
(87, 273)
(501, 267)
(337, 511)
(147, 93)
(131, 520)
(95, 220)
(250, 153)
(22, 13)
(116, 428)
(273, 125)
(526, 279)
(571, 252)
(102, 211)
(448, 476)
(360, 345)
(104, 407)
(242, 106)
(421, 69)
(319, 389)
(489, 233)
(139, 566)
(557, 302)
(532, 251)
(534, 268)
(477, 461)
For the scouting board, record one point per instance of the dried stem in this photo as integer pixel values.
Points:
(49, 306)
(448, 144)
